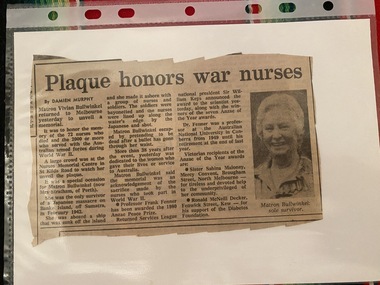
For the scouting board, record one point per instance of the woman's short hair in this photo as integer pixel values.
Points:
(285, 101)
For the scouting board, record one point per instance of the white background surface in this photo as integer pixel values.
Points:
(344, 246)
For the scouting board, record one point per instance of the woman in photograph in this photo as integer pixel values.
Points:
(285, 173)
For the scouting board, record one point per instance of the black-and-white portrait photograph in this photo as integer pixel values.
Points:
(281, 145)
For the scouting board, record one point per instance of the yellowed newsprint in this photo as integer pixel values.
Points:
(158, 147)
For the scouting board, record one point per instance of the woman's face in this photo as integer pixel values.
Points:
(279, 132)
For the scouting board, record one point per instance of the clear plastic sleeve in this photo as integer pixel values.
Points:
(341, 38)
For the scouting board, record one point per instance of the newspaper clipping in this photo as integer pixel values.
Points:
(158, 147)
